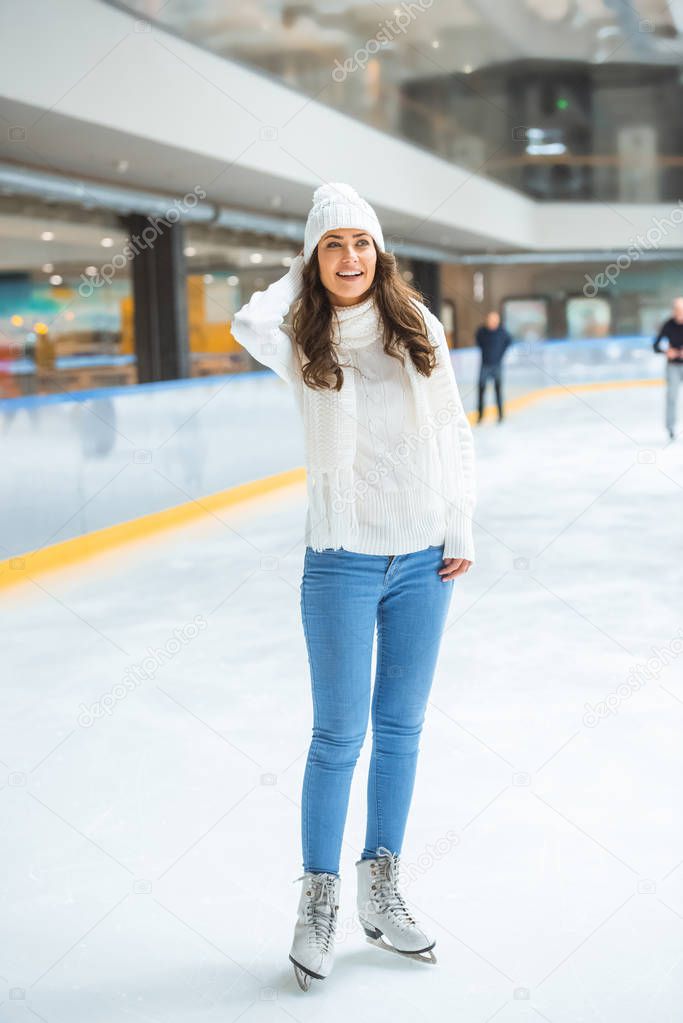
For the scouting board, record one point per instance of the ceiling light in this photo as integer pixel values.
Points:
(47, 236)
(107, 243)
(546, 149)
(47, 268)
(606, 31)
(55, 279)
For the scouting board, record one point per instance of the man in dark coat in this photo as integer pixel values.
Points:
(672, 330)
(493, 340)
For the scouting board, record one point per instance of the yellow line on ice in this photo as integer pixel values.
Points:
(25, 567)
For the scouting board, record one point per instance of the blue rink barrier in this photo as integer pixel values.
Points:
(80, 461)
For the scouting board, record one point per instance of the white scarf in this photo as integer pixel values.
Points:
(330, 429)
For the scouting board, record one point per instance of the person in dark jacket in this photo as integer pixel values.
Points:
(493, 340)
(672, 330)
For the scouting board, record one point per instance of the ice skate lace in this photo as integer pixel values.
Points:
(385, 888)
(320, 909)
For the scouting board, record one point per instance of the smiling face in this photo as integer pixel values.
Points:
(347, 261)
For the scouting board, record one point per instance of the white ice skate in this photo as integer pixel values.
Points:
(312, 951)
(382, 910)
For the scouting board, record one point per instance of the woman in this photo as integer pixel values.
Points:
(390, 478)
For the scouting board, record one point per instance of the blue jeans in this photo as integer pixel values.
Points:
(495, 373)
(343, 595)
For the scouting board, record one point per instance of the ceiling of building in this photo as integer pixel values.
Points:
(453, 35)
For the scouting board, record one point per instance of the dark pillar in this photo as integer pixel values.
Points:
(159, 299)
(427, 279)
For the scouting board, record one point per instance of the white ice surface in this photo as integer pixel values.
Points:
(556, 896)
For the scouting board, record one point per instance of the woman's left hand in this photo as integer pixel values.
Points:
(453, 567)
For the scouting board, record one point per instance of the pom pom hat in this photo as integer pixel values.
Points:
(339, 205)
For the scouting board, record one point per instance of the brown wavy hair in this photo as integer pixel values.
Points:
(404, 328)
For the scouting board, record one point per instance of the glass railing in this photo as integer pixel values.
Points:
(562, 101)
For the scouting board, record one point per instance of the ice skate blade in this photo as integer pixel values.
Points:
(304, 976)
(423, 955)
(302, 979)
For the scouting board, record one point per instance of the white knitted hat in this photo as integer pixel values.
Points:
(339, 205)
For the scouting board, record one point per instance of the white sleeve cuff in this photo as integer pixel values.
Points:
(257, 325)
(459, 539)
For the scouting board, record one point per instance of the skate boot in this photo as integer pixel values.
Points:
(383, 912)
(312, 951)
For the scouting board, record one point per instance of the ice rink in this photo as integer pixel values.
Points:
(155, 847)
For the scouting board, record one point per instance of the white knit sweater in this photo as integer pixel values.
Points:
(396, 513)
(399, 505)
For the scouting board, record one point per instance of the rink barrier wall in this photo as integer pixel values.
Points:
(23, 568)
